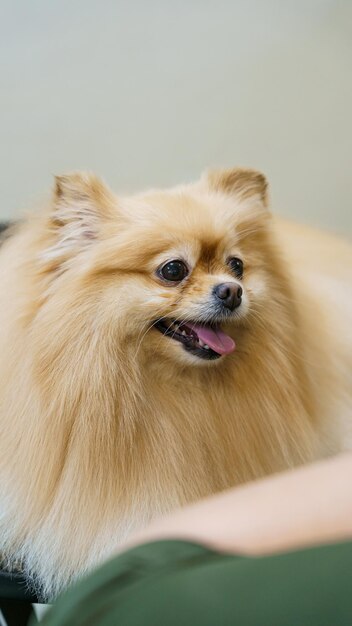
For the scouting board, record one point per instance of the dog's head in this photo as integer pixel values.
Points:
(173, 273)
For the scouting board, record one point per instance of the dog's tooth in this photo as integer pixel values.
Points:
(206, 347)
(184, 333)
(201, 343)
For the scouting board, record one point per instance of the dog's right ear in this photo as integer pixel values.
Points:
(81, 205)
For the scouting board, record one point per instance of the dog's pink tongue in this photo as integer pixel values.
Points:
(215, 338)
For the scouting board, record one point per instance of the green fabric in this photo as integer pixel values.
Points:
(176, 583)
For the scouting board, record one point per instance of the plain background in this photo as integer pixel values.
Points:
(151, 92)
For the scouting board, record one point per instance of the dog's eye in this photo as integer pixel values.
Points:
(174, 271)
(236, 265)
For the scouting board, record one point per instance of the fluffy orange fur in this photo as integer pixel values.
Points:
(106, 423)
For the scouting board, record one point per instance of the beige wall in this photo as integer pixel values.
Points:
(150, 92)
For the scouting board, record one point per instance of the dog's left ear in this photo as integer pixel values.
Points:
(81, 205)
(241, 182)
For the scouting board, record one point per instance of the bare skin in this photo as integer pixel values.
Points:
(299, 508)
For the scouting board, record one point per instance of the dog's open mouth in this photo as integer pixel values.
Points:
(202, 340)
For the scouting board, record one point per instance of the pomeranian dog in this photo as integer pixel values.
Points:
(156, 349)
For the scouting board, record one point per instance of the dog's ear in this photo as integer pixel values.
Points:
(242, 182)
(81, 205)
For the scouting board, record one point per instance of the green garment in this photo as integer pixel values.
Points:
(176, 583)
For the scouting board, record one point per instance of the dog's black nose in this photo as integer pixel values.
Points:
(230, 295)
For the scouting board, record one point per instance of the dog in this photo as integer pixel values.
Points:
(156, 349)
